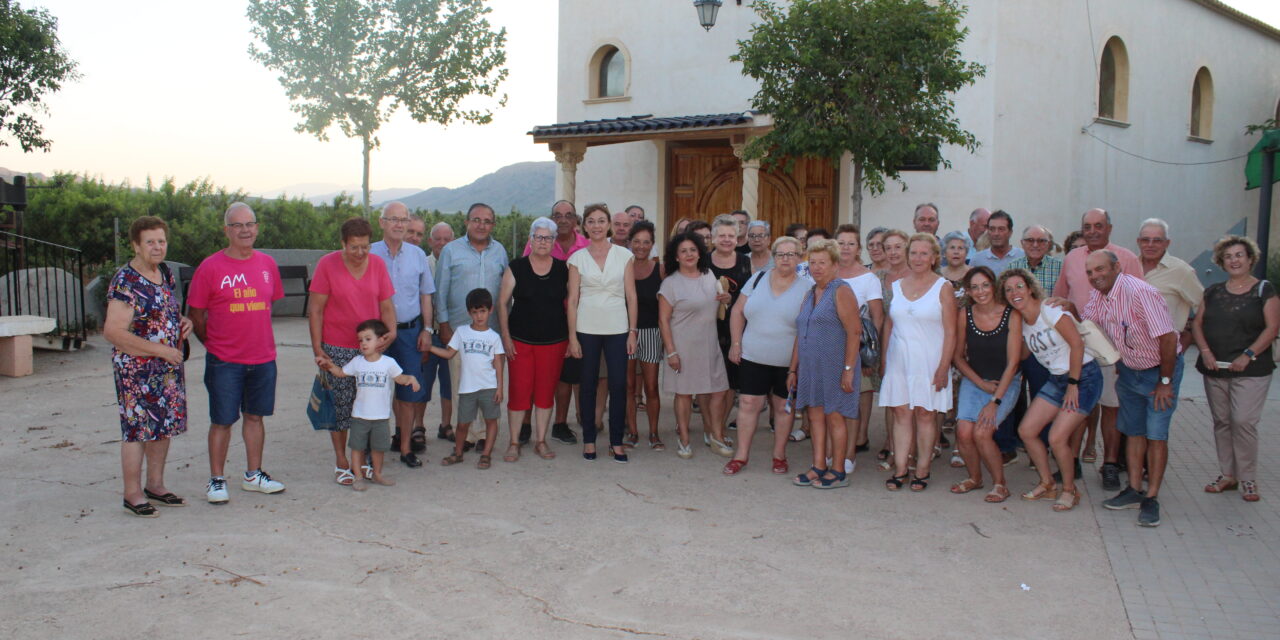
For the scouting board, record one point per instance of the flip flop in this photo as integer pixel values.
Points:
(144, 510)
(512, 457)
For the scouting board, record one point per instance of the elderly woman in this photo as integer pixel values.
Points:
(347, 288)
(146, 328)
(535, 335)
(1234, 331)
(824, 365)
(648, 276)
(763, 326)
(866, 287)
(1073, 389)
(919, 339)
(731, 269)
(875, 249)
(892, 245)
(687, 304)
(955, 253)
(758, 240)
(602, 326)
(987, 356)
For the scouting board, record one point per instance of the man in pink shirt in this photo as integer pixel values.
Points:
(568, 240)
(230, 309)
(1073, 285)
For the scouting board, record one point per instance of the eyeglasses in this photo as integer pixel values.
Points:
(757, 236)
(484, 221)
(787, 255)
(1036, 240)
(541, 238)
(242, 225)
(397, 220)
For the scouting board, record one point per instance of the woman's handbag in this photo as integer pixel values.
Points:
(870, 349)
(320, 406)
(1097, 344)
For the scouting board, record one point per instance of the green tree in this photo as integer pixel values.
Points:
(32, 64)
(873, 78)
(356, 62)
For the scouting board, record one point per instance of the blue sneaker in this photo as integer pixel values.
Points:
(1127, 499)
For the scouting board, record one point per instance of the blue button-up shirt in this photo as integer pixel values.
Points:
(459, 269)
(986, 258)
(410, 275)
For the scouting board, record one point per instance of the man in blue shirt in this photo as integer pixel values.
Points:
(413, 283)
(998, 256)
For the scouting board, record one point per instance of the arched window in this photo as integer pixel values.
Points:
(1202, 105)
(1113, 81)
(608, 73)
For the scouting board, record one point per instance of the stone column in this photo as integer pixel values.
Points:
(750, 181)
(568, 156)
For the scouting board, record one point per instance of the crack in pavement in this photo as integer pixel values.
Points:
(546, 609)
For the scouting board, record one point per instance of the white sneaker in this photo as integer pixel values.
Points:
(849, 466)
(261, 482)
(216, 490)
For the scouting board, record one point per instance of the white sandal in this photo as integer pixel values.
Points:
(956, 460)
(343, 477)
(797, 435)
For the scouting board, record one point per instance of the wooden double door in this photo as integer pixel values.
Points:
(705, 180)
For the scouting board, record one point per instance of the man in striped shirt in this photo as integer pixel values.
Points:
(1135, 317)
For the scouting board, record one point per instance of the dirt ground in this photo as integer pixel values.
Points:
(539, 549)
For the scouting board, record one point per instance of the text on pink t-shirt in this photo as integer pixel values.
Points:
(237, 295)
(351, 301)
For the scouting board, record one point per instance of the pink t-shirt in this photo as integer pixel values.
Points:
(557, 251)
(237, 294)
(351, 301)
(1074, 283)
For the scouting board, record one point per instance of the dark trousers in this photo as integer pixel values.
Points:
(613, 349)
(1034, 375)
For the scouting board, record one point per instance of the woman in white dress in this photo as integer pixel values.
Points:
(919, 338)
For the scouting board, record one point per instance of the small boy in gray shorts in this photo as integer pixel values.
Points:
(375, 376)
(480, 380)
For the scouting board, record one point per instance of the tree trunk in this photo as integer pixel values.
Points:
(366, 147)
(855, 211)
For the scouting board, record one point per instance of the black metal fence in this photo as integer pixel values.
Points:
(39, 278)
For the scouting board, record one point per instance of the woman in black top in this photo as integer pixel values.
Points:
(987, 357)
(535, 334)
(1234, 331)
(732, 270)
(648, 274)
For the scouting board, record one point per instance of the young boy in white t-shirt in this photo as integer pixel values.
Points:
(376, 376)
(480, 381)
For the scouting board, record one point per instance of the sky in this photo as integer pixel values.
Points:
(169, 90)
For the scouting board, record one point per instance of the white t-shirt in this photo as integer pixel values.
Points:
(866, 287)
(477, 349)
(1047, 345)
(374, 382)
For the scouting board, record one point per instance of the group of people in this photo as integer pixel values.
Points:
(964, 330)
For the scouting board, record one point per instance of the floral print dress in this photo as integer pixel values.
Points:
(151, 392)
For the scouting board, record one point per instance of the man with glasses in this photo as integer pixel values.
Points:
(230, 309)
(474, 261)
(1000, 253)
(1171, 276)
(411, 278)
(1036, 242)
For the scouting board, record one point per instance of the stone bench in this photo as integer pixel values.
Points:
(15, 343)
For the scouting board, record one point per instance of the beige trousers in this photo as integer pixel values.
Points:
(1236, 407)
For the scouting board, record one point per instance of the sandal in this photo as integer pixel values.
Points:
(444, 432)
(484, 462)
(1090, 456)
(512, 457)
(966, 485)
(166, 500)
(919, 484)
(143, 510)
(418, 440)
(732, 467)
(956, 461)
(835, 480)
(1221, 484)
(780, 465)
(883, 455)
(451, 459)
(655, 443)
(1042, 491)
(631, 440)
(998, 494)
(894, 483)
(803, 480)
(543, 451)
(1249, 491)
(343, 477)
(797, 435)
(1065, 503)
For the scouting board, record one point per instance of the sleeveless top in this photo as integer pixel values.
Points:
(538, 303)
(647, 300)
(1231, 323)
(987, 351)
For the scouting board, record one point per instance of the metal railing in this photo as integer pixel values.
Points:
(41, 278)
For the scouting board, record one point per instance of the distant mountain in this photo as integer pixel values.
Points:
(325, 193)
(8, 175)
(529, 187)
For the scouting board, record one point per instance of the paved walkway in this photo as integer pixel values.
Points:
(1212, 568)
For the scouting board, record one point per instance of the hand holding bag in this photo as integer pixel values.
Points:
(321, 409)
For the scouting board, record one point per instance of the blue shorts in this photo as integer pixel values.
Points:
(404, 350)
(1138, 416)
(973, 399)
(236, 388)
(434, 367)
(1089, 391)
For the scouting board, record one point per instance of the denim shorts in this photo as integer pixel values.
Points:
(1138, 415)
(236, 388)
(973, 399)
(404, 350)
(1089, 389)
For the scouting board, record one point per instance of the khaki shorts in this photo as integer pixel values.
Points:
(1109, 397)
(374, 435)
(477, 402)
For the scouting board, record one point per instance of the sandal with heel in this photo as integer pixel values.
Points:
(1067, 500)
(1042, 491)
(919, 484)
(895, 483)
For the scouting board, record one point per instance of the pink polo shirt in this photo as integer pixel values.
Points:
(1074, 282)
(1134, 316)
(557, 251)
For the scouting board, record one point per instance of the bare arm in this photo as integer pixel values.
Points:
(737, 324)
(571, 309)
(664, 328)
(947, 298)
(504, 312)
(847, 311)
(1197, 334)
(387, 309)
(499, 364)
(959, 358)
(629, 291)
(1067, 329)
(315, 321)
(424, 336)
(116, 331)
(405, 378)
(199, 321)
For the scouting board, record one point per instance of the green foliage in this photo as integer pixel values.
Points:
(355, 62)
(1265, 125)
(870, 77)
(32, 64)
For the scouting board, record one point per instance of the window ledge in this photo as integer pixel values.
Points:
(606, 100)
(1110, 122)
(1200, 140)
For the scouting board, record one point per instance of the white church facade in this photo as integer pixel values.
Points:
(1136, 106)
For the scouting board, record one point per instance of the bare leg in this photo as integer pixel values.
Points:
(748, 416)
(357, 457)
(818, 423)
(966, 442)
(419, 413)
(339, 441)
(460, 438)
(782, 423)
(541, 420)
(684, 412)
(1111, 435)
(490, 435)
(653, 403)
(632, 401)
(901, 432)
(404, 423)
(219, 442)
(838, 431)
(1060, 434)
(254, 434)
(131, 454)
(376, 458)
(927, 433)
(1038, 415)
(989, 451)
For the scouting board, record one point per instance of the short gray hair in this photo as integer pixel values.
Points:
(543, 222)
(956, 235)
(1041, 227)
(1155, 222)
(724, 220)
(1111, 255)
(236, 206)
(394, 203)
(923, 205)
(759, 223)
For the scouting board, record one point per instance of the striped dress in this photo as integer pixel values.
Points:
(821, 346)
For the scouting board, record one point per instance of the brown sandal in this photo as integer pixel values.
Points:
(543, 451)
(997, 494)
(965, 486)
(1065, 503)
(1042, 491)
(1221, 485)
(484, 462)
(451, 460)
(513, 453)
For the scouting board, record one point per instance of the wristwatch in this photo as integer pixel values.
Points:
(997, 401)
(1166, 380)
(1251, 354)
(848, 368)
(1075, 381)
